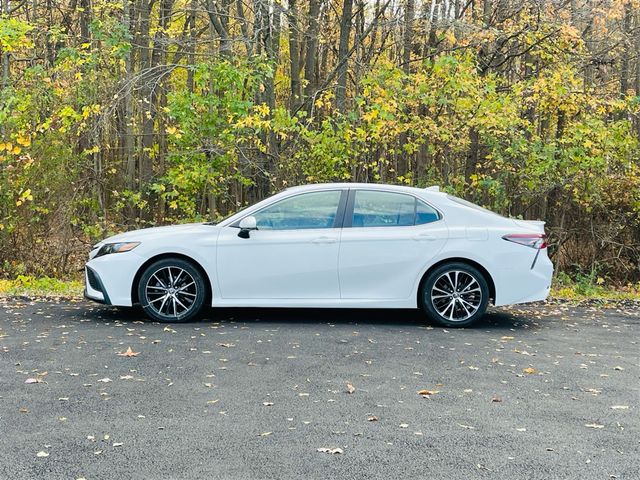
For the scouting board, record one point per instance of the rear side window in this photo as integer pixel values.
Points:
(388, 209)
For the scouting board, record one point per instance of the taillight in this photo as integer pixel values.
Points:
(533, 240)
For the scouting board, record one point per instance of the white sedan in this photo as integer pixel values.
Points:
(330, 245)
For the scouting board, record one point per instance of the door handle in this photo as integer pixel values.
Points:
(430, 237)
(324, 240)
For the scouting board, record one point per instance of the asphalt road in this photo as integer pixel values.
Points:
(540, 392)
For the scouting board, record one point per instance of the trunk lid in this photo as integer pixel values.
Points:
(533, 225)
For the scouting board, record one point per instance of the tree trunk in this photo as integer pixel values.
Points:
(294, 56)
(128, 140)
(343, 52)
(5, 55)
(407, 37)
(311, 55)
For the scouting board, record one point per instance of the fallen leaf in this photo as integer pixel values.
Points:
(24, 410)
(34, 380)
(529, 370)
(42, 454)
(426, 393)
(332, 451)
(128, 353)
(350, 388)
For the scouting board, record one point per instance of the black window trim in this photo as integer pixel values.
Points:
(337, 222)
(348, 213)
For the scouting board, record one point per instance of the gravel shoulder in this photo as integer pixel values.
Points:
(542, 391)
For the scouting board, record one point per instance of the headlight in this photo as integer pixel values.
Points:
(119, 247)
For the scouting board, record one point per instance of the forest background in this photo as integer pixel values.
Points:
(124, 114)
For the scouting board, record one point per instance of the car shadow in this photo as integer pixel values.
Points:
(493, 319)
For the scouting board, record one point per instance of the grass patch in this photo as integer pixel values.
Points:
(591, 287)
(583, 287)
(43, 286)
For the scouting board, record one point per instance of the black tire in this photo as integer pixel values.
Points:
(455, 295)
(167, 302)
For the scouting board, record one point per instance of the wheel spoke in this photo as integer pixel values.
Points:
(463, 301)
(465, 289)
(465, 308)
(448, 295)
(185, 286)
(164, 300)
(158, 279)
(448, 277)
(442, 291)
(181, 304)
(158, 299)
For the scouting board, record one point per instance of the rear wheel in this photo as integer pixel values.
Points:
(172, 290)
(455, 295)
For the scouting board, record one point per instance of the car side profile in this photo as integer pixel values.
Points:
(331, 246)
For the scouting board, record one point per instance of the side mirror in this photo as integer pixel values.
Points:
(246, 225)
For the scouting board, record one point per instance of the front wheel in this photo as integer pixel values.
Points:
(455, 295)
(172, 290)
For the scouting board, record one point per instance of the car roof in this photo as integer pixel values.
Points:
(368, 186)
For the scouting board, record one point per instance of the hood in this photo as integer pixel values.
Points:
(154, 232)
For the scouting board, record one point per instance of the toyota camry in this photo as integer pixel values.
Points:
(330, 246)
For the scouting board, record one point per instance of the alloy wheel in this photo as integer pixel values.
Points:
(171, 291)
(456, 295)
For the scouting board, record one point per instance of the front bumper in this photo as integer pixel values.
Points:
(109, 278)
(94, 288)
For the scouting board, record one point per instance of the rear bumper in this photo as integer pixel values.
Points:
(524, 284)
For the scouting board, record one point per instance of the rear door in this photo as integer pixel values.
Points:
(387, 239)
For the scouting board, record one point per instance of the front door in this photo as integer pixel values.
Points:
(293, 254)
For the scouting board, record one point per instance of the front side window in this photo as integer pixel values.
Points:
(305, 211)
(388, 209)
